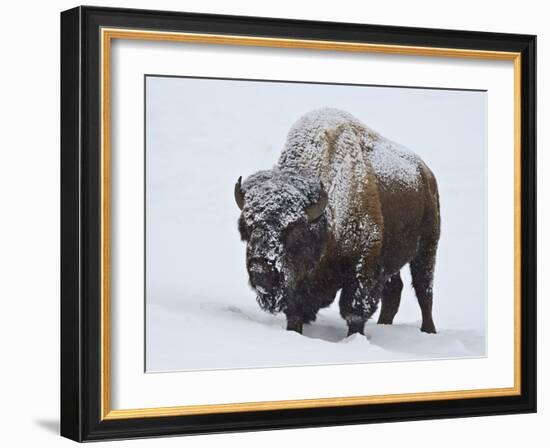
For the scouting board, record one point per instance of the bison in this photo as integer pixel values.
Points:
(343, 209)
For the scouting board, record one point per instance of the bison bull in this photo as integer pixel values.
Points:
(343, 209)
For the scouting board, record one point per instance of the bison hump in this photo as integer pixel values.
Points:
(322, 141)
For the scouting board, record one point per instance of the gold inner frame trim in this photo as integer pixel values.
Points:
(107, 35)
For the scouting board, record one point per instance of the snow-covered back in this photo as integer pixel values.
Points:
(353, 142)
(395, 163)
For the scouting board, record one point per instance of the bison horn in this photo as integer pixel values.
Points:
(239, 195)
(316, 210)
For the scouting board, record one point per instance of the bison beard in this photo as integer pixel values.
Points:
(344, 209)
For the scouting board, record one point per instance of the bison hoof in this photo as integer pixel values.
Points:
(383, 320)
(356, 327)
(294, 325)
(428, 328)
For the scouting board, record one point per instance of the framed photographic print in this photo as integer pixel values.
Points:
(272, 223)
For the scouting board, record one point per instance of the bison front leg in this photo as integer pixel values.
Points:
(301, 309)
(359, 300)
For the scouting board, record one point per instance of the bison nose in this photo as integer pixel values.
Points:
(261, 274)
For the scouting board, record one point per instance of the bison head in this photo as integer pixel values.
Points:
(284, 224)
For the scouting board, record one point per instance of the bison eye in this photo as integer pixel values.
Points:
(295, 237)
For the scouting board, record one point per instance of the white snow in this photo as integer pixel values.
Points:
(200, 311)
(212, 335)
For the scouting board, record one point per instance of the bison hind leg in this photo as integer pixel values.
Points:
(422, 273)
(391, 298)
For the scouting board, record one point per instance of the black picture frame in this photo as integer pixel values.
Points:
(81, 414)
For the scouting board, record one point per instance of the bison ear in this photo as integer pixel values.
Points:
(239, 195)
(314, 211)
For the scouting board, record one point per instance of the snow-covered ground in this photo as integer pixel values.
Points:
(203, 134)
